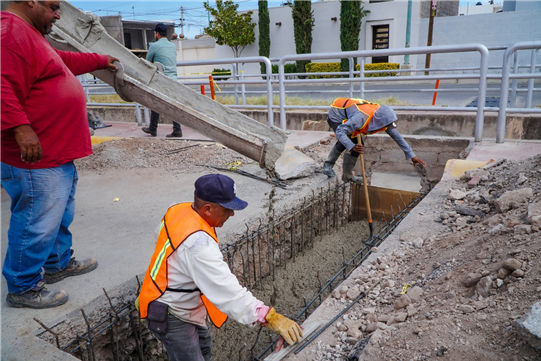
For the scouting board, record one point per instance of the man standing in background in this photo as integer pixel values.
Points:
(164, 52)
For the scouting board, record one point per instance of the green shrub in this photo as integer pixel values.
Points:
(322, 68)
(379, 66)
(221, 72)
(288, 68)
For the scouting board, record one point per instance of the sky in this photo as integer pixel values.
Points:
(195, 16)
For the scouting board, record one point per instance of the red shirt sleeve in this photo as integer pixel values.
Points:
(82, 63)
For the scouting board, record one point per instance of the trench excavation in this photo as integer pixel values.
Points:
(293, 262)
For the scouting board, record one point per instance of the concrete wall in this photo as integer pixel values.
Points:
(443, 8)
(197, 49)
(419, 123)
(504, 28)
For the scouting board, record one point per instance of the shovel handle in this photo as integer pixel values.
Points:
(368, 210)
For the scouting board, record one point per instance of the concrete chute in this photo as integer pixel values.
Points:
(139, 80)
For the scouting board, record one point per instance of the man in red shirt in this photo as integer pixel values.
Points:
(44, 128)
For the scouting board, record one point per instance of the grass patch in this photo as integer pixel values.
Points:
(106, 98)
(259, 100)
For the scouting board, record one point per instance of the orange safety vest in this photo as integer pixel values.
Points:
(363, 106)
(180, 222)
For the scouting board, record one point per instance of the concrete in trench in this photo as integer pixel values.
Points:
(120, 234)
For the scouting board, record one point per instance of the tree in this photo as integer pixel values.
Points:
(264, 32)
(351, 14)
(230, 28)
(303, 22)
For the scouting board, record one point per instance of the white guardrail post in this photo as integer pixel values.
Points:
(504, 88)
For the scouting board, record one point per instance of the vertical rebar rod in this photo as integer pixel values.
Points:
(292, 238)
(89, 330)
(259, 251)
(302, 225)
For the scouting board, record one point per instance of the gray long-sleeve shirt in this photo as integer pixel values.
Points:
(355, 120)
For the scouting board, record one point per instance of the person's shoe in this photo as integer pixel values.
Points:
(327, 169)
(174, 135)
(74, 268)
(148, 131)
(347, 172)
(38, 297)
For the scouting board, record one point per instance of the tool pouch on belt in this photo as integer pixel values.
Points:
(157, 317)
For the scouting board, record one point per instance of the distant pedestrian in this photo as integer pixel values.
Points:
(350, 117)
(44, 128)
(165, 52)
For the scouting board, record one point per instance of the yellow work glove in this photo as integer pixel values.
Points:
(137, 303)
(288, 329)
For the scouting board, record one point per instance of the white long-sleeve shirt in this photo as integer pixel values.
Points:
(198, 263)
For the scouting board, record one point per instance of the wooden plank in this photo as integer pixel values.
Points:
(385, 202)
(309, 327)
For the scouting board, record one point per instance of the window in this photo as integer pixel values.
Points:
(380, 40)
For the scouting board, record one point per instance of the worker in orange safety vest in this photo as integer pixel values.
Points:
(351, 117)
(187, 278)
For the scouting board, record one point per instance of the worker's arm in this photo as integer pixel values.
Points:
(204, 263)
(82, 63)
(16, 84)
(397, 137)
(151, 52)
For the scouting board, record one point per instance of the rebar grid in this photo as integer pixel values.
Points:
(351, 265)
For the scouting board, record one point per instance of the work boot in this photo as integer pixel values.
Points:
(329, 163)
(74, 268)
(347, 172)
(175, 134)
(38, 297)
(148, 131)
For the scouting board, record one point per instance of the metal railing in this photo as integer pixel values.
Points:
(504, 89)
(360, 77)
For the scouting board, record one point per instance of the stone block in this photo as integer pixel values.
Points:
(529, 326)
(294, 164)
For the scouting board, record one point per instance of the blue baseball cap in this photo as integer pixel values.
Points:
(160, 29)
(220, 189)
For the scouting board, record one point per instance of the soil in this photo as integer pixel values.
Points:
(473, 263)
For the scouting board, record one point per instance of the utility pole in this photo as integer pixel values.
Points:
(408, 31)
(182, 21)
(430, 29)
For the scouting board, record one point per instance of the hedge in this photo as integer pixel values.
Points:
(288, 68)
(322, 68)
(221, 72)
(335, 67)
(379, 66)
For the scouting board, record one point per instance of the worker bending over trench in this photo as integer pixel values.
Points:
(351, 117)
(188, 280)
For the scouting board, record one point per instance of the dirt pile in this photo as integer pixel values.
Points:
(177, 156)
(467, 283)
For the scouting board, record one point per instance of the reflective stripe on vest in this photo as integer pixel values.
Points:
(363, 106)
(180, 222)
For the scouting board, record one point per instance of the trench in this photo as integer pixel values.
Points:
(292, 263)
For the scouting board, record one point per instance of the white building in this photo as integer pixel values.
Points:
(520, 22)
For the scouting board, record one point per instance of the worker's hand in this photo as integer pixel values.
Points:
(29, 143)
(416, 160)
(358, 148)
(288, 329)
(137, 303)
(110, 61)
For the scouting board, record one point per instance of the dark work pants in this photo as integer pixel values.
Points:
(154, 119)
(339, 147)
(185, 341)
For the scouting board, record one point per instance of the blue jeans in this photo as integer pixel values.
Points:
(185, 341)
(42, 209)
